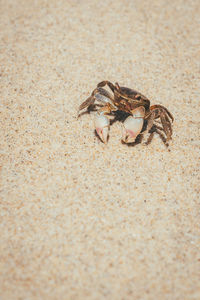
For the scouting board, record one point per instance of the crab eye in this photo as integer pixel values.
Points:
(138, 97)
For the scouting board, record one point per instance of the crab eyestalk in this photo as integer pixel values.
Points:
(102, 125)
(133, 125)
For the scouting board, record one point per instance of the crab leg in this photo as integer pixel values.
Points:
(100, 95)
(133, 125)
(159, 111)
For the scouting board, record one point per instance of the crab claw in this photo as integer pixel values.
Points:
(133, 125)
(102, 125)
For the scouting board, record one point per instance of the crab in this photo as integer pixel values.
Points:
(135, 106)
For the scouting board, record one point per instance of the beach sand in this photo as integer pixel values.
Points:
(81, 219)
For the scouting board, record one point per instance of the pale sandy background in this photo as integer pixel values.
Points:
(80, 219)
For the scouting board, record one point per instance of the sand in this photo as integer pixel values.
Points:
(80, 219)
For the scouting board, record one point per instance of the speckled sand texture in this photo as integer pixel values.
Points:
(79, 219)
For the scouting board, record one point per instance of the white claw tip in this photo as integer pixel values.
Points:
(102, 127)
(133, 125)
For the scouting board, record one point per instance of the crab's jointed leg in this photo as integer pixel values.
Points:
(100, 95)
(133, 125)
(108, 83)
(160, 112)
